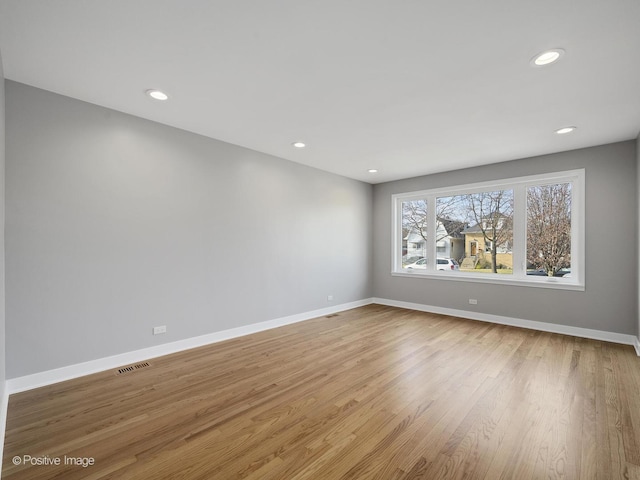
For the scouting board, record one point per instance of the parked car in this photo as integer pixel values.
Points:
(447, 264)
(422, 263)
(443, 264)
(540, 272)
(409, 259)
(561, 272)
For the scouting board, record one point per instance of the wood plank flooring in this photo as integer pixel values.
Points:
(372, 393)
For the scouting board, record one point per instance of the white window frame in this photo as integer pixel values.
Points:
(519, 276)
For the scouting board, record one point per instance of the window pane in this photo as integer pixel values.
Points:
(414, 234)
(478, 228)
(549, 230)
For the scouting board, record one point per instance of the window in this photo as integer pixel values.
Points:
(414, 231)
(549, 228)
(482, 218)
(526, 230)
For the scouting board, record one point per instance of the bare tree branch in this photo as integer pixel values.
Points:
(549, 227)
(493, 214)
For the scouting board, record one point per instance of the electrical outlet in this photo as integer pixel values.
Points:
(329, 298)
(473, 301)
(159, 330)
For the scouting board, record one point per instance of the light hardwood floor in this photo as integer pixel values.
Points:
(375, 392)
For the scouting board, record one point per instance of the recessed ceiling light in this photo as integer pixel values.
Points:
(372, 170)
(157, 94)
(547, 57)
(299, 144)
(565, 130)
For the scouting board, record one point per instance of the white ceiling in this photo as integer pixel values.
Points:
(409, 87)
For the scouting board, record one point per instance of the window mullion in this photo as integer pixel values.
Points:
(578, 227)
(431, 233)
(519, 230)
(397, 234)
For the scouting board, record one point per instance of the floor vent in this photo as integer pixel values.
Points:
(332, 315)
(132, 368)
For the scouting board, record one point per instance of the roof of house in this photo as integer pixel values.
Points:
(476, 228)
(454, 228)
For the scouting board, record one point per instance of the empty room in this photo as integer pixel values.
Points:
(319, 240)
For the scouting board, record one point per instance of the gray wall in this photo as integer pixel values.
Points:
(638, 244)
(610, 300)
(2, 298)
(115, 224)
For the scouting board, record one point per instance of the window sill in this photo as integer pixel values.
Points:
(539, 282)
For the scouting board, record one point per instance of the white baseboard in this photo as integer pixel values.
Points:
(4, 406)
(519, 322)
(41, 379)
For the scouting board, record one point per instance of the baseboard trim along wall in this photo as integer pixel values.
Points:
(4, 407)
(41, 379)
(29, 382)
(613, 337)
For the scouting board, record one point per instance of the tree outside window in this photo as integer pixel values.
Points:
(549, 227)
